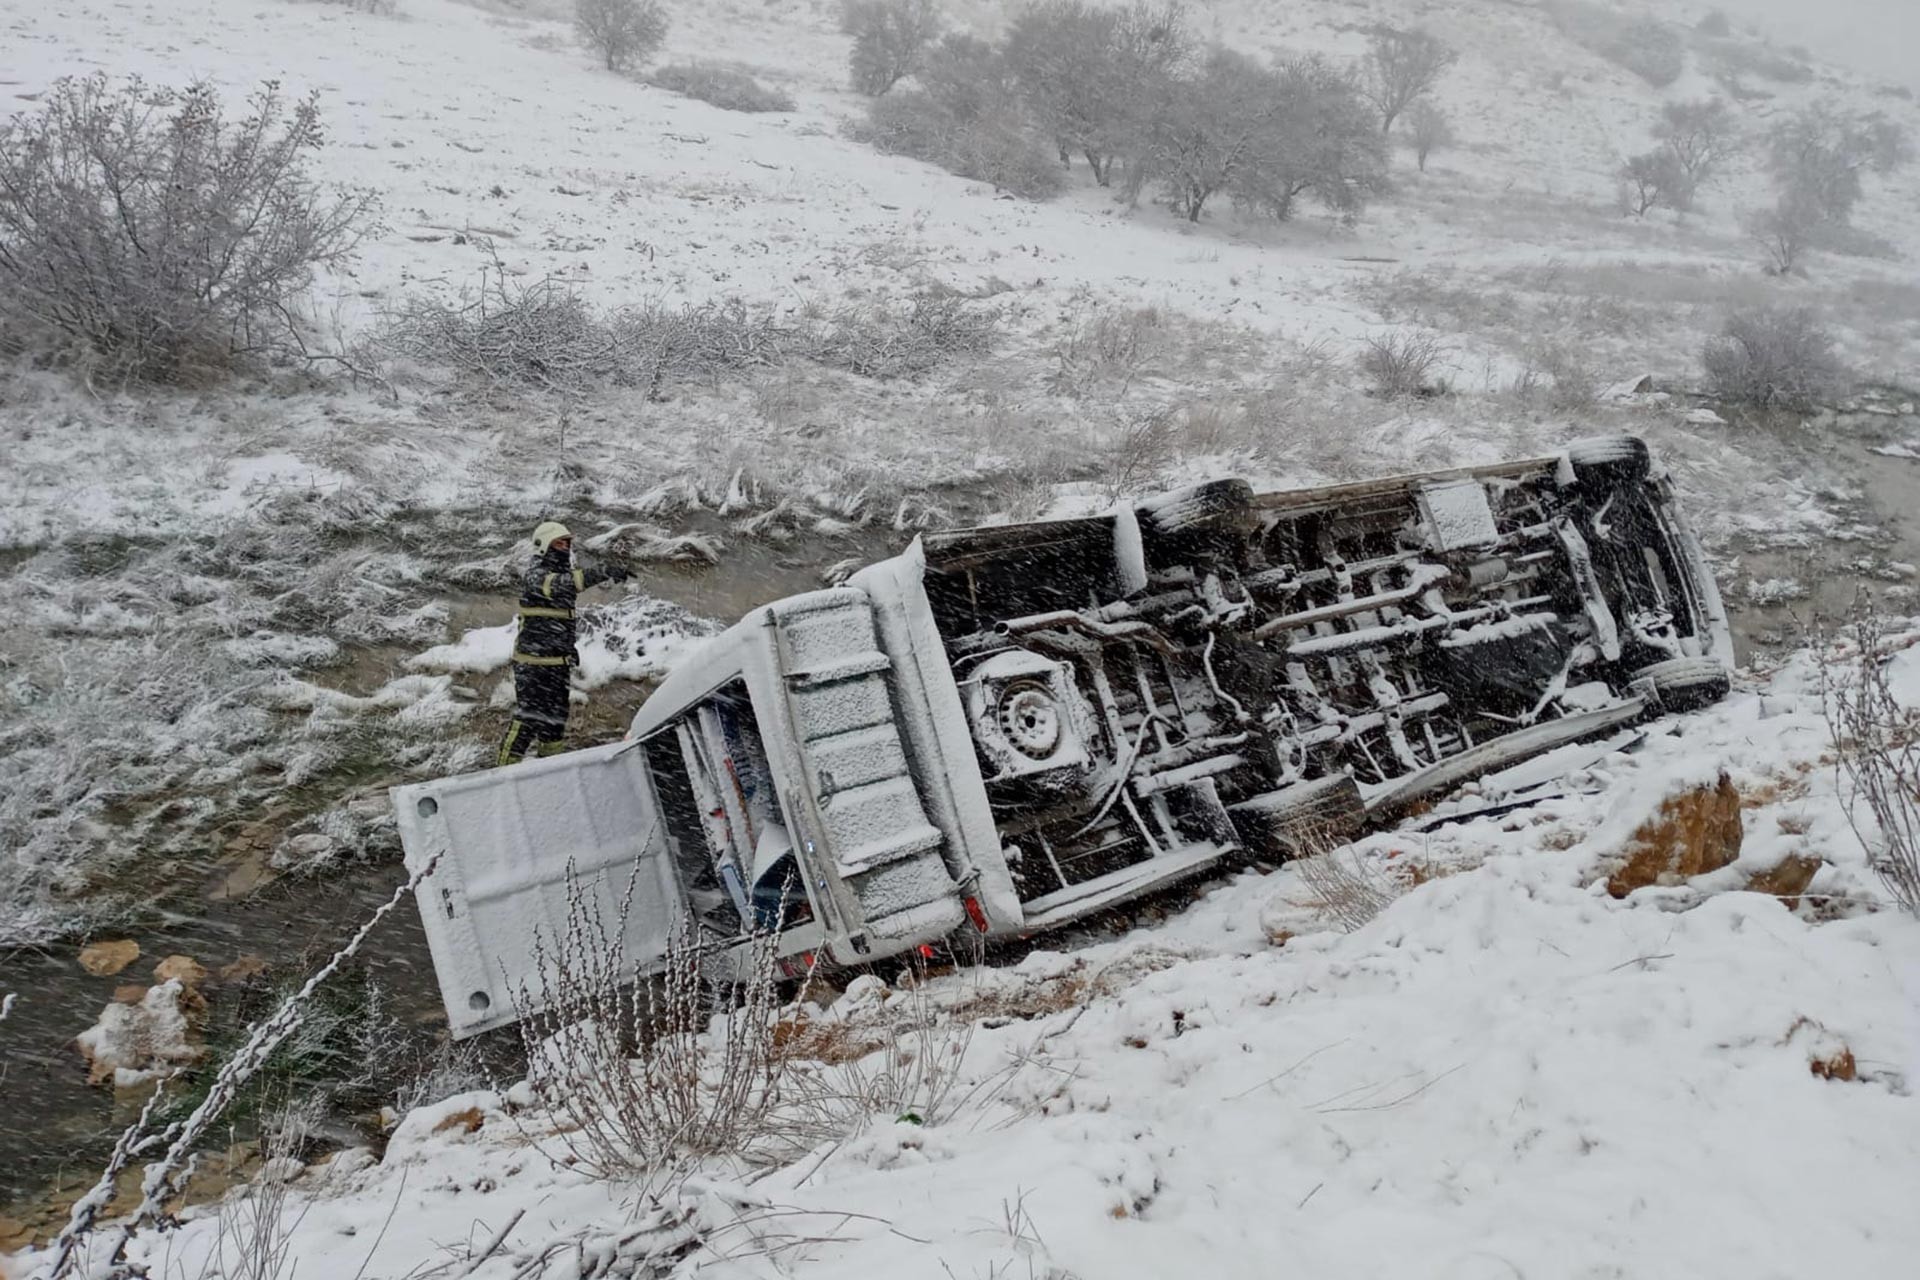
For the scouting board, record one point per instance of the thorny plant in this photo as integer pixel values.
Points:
(1877, 747)
(1343, 890)
(632, 1069)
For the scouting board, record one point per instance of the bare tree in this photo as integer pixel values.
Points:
(1207, 129)
(1820, 154)
(166, 237)
(620, 31)
(890, 39)
(1786, 232)
(1429, 129)
(1319, 138)
(1400, 67)
(1700, 136)
(1654, 180)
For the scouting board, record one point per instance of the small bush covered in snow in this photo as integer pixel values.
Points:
(1402, 364)
(164, 237)
(1774, 358)
(725, 87)
(622, 32)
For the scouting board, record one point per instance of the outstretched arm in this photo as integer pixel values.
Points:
(584, 578)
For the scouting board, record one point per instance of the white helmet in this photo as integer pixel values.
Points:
(548, 533)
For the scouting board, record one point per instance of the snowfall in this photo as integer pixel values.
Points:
(1506, 1072)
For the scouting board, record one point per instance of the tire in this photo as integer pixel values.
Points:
(1301, 819)
(1200, 506)
(1608, 462)
(1687, 684)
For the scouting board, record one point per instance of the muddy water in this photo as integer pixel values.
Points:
(1830, 574)
(225, 904)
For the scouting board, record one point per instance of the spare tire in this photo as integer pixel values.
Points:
(1687, 684)
(1301, 819)
(1607, 462)
(1200, 506)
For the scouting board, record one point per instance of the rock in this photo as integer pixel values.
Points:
(310, 845)
(131, 994)
(1693, 832)
(132, 1044)
(185, 969)
(281, 1170)
(1704, 418)
(104, 959)
(247, 966)
(467, 1121)
(1837, 1066)
(1788, 880)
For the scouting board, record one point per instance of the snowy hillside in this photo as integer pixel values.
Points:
(240, 609)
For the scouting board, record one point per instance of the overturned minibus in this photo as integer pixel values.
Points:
(1010, 728)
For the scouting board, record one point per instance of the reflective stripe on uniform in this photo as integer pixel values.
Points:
(506, 744)
(530, 660)
(579, 579)
(529, 611)
(546, 585)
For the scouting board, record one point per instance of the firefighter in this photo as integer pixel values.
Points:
(543, 653)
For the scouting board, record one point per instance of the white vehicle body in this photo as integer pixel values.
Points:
(1006, 729)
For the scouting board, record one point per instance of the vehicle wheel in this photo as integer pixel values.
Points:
(1199, 506)
(1687, 684)
(1607, 462)
(1299, 819)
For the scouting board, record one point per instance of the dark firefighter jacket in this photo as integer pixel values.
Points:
(546, 609)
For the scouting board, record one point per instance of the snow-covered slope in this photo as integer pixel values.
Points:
(1506, 1072)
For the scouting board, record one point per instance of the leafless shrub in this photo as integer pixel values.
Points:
(1786, 232)
(1105, 353)
(1141, 448)
(1429, 130)
(725, 87)
(887, 341)
(253, 1237)
(636, 1073)
(1877, 741)
(889, 39)
(163, 236)
(1557, 376)
(909, 1068)
(1402, 364)
(1773, 358)
(1344, 890)
(622, 32)
(546, 337)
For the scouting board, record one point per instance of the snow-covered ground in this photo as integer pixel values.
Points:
(1505, 1072)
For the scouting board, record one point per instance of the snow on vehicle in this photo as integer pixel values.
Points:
(1008, 728)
